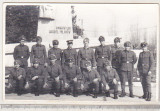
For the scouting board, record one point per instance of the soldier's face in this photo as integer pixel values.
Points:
(144, 49)
(102, 42)
(86, 44)
(108, 68)
(70, 45)
(16, 65)
(89, 68)
(55, 46)
(36, 65)
(117, 44)
(39, 42)
(70, 64)
(53, 61)
(127, 48)
(22, 42)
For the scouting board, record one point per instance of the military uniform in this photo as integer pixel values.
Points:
(38, 82)
(14, 74)
(107, 79)
(38, 51)
(145, 64)
(69, 53)
(127, 59)
(88, 80)
(54, 71)
(57, 52)
(21, 52)
(71, 73)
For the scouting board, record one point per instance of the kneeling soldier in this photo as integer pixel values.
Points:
(109, 80)
(18, 74)
(38, 77)
(145, 65)
(55, 72)
(72, 77)
(91, 80)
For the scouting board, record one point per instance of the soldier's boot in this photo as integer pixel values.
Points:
(131, 94)
(57, 93)
(95, 95)
(148, 98)
(37, 93)
(115, 96)
(123, 94)
(75, 93)
(107, 94)
(144, 96)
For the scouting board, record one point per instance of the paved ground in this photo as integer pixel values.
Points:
(137, 92)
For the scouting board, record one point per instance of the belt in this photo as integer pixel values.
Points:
(21, 57)
(103, 57)
(127, 62)
(84, 59)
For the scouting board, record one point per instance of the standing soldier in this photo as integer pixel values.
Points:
(91, 80)
(109, 80)
(38, 77)
(127, 59)
(18, 74)
(21, 53)
(73, 77)
(116, 50)
(69, 53)
(86, 54)
(55, 72)
(56, 51)
(145, 65)
(38, 52)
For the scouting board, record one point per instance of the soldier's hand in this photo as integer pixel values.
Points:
(82, 87)
(57, 79)
(66, 85)
(9, 85)
(26, 86)
(45, 85)
(149, 73)
(114, 81)
(75, 79)
(107, 87)
(45, 64)
(95, 67)
(19, 77)
(95, 80)
(35, 77)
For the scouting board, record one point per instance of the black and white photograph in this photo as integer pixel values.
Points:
(101, 53)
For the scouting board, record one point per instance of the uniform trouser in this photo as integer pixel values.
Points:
(74, 86)
(129, 76)
(24, 63)
(119, 74)
(38, 85)
(91, 87)
(112, 86)
(146, 83)
(20, 85)
(57, 85)
(99, 69)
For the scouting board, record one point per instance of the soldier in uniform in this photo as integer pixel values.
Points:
(38, 77)
(109, 80)
(21, 52)
(73, 77)
(91, 79)
(116, 50)
(18, 74)
(86, 54)
(69, 53)
(55, 72)
(127, 59)
(145, 65)
(38, 51)
(56, 51)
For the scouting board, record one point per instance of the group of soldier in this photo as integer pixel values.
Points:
(84, 71)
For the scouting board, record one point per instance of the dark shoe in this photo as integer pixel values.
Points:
(148, 97)
(36, 94)
(107, 94)
(123, 94)
(57, 94)
(19, 94)
(131, 95)
(75, 95)
(94, 96)
(143, 97)
(115, 96)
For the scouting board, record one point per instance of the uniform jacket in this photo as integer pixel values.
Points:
(86, 55)
(108, 76)
(69, 53)
(54, 71)
(116, 51)
(72, 72)
(127, 59)
(57, 52)
(102, 53)
(89, 76)
(39, 52)
(14, 73)
(145, 62)
(39, 71)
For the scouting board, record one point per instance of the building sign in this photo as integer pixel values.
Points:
(61, 30)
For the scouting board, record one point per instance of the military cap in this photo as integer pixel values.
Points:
(36, 61)
(143, 44)
(55, 42)
(39, 38)
(22, 38)
(86, 40)
(52, 57)
(117, 39)
(69, 41)
(88, 63)
(16, 62)
(101, 38)
(127, 44)
(107, 63)
(69, 60)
